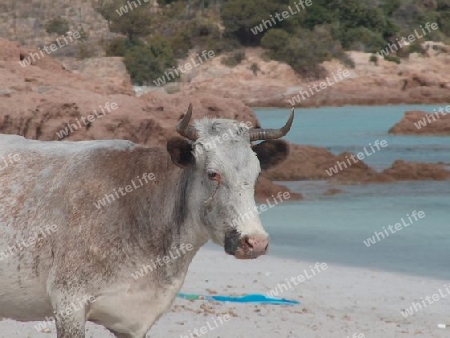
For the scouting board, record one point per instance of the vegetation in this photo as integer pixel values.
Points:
(415, 47)
(255, 68)
(391, 58)
(148, 61)
(234, 59)
(327, 29)
(374, 59)
(58, 26)
(134, 23)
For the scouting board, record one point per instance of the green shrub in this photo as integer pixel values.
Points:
(202, 27)
(275, 39)
(180, 44)
(120, 46)
(117, 47)
(184, 35)
(255, 68)
(147, 62)
(407, 15)
(391, 58)
(443, 5)
(305, 61)
(415, 47)
(85, 51)
(391, 6)
(345, 59)
(134, 24)
(362, 39)
(240, 16)
(203, 32)
(373, 58)
(58, 26)
(84, 36)
(234, 59)
(222, 45)
(444, 21)
(304, 51)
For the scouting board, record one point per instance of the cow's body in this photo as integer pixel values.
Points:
(83, 269)
(56, 183)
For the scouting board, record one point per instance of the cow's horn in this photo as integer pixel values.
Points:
(183, 127)
(272, 134)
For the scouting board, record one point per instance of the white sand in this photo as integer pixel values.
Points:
(337, 302)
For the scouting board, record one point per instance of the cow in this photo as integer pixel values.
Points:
(64, 254)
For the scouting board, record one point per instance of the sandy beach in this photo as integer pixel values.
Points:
(132, 132)
(335, 302)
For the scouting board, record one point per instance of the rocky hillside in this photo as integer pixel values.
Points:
(257, 80)
(419, 79)
(25, 21)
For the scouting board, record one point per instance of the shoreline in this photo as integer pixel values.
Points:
(351, 103)
(362, 105)
(337, 302)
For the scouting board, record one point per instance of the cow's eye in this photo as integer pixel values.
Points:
(213, 176)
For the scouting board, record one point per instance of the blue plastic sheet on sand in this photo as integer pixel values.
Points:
(251, 298)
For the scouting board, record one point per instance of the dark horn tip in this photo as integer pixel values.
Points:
(185, 120)
(289, 122)
(183, 127)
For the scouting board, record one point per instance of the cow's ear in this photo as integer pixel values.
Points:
(180, 151)
(271, 153)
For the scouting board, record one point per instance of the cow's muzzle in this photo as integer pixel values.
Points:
(247, 246)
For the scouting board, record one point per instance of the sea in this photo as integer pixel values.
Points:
(332, 229)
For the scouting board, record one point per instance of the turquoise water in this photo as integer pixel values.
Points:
(332, 229)
(352, 128)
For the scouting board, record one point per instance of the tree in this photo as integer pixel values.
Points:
(125, 18)
(148, 62)
(239, 16)
(304, 51)
(59, 26)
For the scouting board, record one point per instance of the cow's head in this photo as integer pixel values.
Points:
(225, 168)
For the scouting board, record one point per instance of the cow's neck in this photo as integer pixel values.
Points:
(173, 221)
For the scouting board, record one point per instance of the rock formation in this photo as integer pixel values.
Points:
(423, 123)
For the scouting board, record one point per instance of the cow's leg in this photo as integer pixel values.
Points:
(70, 316)
(125, 335)
(69, 328)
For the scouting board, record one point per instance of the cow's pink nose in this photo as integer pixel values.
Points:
(256, 245)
